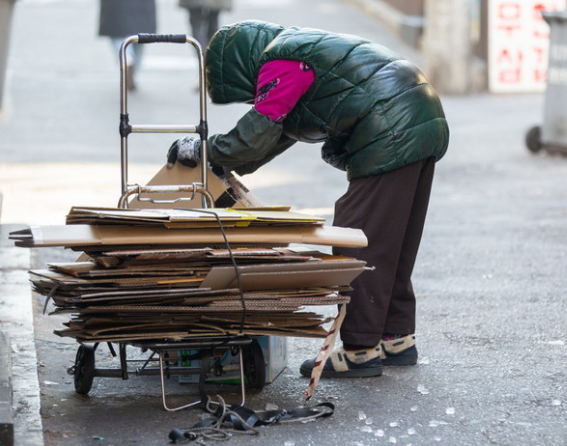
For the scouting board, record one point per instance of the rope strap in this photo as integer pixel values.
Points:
(236, 419)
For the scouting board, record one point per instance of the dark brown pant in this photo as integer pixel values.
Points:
(391, 210)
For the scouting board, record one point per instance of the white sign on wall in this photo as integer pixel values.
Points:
(518, 43)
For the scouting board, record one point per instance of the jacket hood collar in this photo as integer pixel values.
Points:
(232, 59)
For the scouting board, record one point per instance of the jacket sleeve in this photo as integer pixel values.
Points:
(254, 141)
(333, 152)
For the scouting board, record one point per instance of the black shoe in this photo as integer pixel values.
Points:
(401, 351)
(348, 364)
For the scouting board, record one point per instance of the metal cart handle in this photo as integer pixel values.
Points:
(193, 189)
(126, 127)
(168, 38)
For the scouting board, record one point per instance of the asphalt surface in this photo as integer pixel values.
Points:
(490, 276)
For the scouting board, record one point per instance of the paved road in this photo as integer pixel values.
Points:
(490, 275)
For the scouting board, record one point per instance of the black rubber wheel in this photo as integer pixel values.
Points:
(254, 365)
(84, 369)
(533, 139)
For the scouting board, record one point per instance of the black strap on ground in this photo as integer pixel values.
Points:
(236, 419)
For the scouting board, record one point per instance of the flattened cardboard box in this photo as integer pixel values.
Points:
(275, 276)
(91, 235)
(227, 191)
(190, 218)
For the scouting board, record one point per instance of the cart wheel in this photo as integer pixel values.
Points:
(84, 369)
(254, 365)
(533, 139)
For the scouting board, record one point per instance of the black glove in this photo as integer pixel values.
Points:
(187, 151)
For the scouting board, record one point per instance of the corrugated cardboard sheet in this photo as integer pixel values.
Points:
(174, 273)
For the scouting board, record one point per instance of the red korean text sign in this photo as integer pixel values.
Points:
(518, 44)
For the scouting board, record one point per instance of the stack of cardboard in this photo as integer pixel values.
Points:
(174, 274)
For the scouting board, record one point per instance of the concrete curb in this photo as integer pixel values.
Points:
(6, 420)
(20, 419)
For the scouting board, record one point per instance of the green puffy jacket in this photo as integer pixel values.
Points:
(374, 111)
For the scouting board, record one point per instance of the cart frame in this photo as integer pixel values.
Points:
(84, 369)
(126, 128)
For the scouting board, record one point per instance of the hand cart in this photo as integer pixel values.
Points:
(166, 353)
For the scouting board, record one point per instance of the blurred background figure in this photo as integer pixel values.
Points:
(204, 17)
(122, 18)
